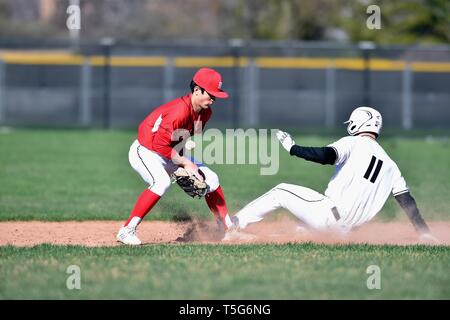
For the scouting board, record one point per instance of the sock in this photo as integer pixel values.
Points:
(216, 203)
(133, 222)
(144, 204)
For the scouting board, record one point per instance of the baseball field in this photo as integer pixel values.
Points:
(65, 193)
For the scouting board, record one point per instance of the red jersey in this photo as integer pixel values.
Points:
(155, 132)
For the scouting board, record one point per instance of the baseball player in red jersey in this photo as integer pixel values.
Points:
(155, 157)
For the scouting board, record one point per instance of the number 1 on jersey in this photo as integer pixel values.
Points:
(377, 169)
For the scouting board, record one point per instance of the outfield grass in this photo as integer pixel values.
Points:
(290, 271)
(85, 175)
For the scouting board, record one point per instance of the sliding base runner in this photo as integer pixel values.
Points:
(364, 178)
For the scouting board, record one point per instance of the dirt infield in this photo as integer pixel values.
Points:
(102, 233)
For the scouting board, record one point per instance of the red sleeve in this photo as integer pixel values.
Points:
(163, 137)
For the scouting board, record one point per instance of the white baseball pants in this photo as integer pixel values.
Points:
(156, 169)
(311, 207)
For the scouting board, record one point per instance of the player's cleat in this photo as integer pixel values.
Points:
(225, 223)
(427, 238)
(301, 229)
(127, 235)
(220, 226)
(234, 233)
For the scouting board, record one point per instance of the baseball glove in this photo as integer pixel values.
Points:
(190, 184)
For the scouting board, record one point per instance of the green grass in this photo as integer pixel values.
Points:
(289, 271)
(85, 175)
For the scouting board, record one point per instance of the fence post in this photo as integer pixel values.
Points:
(252, 94)
(407, 111)
(330, 95)
(85, 94)
(366, 48)
(236, 45)
(2, 93)
(169, 77)
(106, 44)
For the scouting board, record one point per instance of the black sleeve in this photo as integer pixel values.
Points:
(323, 155)
(408, 204)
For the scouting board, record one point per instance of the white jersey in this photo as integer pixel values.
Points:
(363, 180)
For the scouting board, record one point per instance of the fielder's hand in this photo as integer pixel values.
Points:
(189, 183)
(428, 238)
(192, 170)
(285, 139)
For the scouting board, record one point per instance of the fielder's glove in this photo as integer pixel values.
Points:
(190, 184)
(285, 139)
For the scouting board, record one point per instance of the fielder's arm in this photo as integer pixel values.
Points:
(323, 155)
(409, 205)
(187, 164)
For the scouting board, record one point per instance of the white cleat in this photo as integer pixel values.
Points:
(302, 230)
(127, 235)
(234, 234)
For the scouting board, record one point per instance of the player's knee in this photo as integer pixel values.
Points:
(282, 186)
(211, 178)
(279, 192)
(161, 185)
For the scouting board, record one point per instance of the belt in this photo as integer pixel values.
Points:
(335, 212)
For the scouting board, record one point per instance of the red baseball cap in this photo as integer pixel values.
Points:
(211, 81)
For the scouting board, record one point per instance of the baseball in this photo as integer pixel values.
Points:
(189, 145)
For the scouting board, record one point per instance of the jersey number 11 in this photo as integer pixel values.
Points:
(370, 168)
